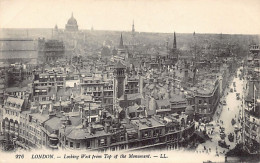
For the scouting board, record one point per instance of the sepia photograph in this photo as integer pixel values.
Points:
(173, 81)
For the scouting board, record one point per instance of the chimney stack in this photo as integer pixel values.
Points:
(107, 127)
(91, 129)
(141, 84)
(85, 123)
(127, 112)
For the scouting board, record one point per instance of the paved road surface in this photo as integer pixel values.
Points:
(226, 116)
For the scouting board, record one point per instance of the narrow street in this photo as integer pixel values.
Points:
(223, 117)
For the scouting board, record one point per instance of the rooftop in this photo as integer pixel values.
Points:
(135, 108)
(15, 101)
(119, 64)
(40, 117)
(16, 89)
(80, 132)
(134, 96)
(164, 102)
(53, 124)
(146, 123)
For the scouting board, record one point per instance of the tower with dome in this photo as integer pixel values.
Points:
(72, 24)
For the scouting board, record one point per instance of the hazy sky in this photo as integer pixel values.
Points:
(183, 16)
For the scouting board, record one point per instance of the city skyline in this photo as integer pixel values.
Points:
(175, 77)
(203, 16)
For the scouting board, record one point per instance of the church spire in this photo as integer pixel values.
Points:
(174, 41)
(121, 44)
(133, 27)
(56, 27)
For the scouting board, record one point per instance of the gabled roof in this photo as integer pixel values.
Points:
(53, 124)
(119, 65)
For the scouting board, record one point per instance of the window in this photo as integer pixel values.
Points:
(88, 144)
(78, 145)
(149, 133)
(71, 144)
(66, 143)
(93, 119)
(102, 142)
(93, 112)
(200, 101)
(145, 134)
